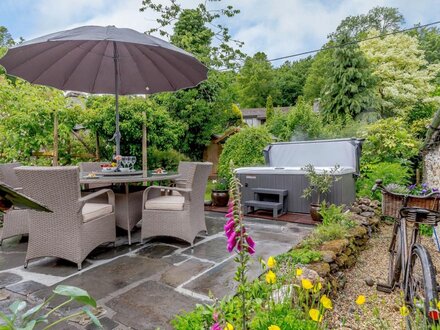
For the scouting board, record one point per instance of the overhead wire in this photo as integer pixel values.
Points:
(353, 42)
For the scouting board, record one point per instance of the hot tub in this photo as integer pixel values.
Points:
(283, 170)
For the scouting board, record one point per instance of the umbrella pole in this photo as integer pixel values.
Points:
(117, 132)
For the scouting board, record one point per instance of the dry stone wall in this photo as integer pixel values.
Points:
(432, 167)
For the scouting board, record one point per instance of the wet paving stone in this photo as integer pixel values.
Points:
(8, 279)
(215, 224)
(175, 259)
(14, 244)
(212, 250)
(107, 324)
(55, 267)
(156, 251)
(11, 260)
(150, 305)
(26, 288)
(182, 273)
(104, 280)
(109, 252)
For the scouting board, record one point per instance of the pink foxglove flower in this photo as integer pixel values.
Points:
(216, 326)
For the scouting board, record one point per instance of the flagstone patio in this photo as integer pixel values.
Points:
(144, 286)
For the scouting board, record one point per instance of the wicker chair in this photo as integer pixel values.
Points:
(182, 215)
(76, 226)
(15, 222)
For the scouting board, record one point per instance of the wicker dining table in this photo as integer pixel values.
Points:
(128, 206)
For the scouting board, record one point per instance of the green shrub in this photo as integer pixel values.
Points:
(388, 140)
(244, 148)
(166, 159)
(324, 233)
(199, 318)
(388, 172)
(282, 315)
(300, 256)
(334, 214)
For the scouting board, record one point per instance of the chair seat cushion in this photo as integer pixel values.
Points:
(92, 211)
(170, 203)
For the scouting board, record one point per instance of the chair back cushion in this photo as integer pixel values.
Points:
(8, 176)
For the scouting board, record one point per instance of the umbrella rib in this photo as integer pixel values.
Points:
(158, 68)
(171, 64)
(58, 60)
(137, 66)
(40, 53)
(96, 75)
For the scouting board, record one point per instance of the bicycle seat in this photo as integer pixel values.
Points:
(419, 214)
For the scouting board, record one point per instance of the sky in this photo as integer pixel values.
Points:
(276, 27)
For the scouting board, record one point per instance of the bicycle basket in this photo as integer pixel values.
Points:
(392, 203)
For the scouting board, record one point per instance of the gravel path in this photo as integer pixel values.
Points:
(381, 310)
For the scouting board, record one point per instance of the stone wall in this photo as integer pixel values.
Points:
(431, 173)
(341, 254)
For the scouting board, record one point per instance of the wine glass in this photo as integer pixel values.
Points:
(124, 161)
(132, 161)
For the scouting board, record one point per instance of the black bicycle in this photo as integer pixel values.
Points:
(410, 264)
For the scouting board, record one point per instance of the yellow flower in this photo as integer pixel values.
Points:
(306, 284)
(274, 327)
(271, 262)
(271, 277)
(299, 272)
(404, 311)
(317, 287)
(229, 326)
(360, 300)
(315, 315)
(326, 302)
(438, 305)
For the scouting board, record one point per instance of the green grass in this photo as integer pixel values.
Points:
(208, 190)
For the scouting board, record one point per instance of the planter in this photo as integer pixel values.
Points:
(314, 212)
(220, 198)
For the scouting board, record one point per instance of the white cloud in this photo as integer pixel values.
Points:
(277, 27)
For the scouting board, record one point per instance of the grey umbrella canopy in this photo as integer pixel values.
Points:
(104, 60)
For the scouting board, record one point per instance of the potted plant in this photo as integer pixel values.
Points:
(319, 184)
(220, 192)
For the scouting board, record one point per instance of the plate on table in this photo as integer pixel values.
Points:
(129, 173)
(96, 176)
(108, 169)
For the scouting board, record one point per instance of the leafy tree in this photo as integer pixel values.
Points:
(403, 75)
(349, 89)
(429, 41)
(389, 140)
(255, 81)
(164, 133)
(269, 109)
(301, 123)
(289, 81)
(382, 19)
(244, 149)
(236, 116)
(318, 74)
(192, 34)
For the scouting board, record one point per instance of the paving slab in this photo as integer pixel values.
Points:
(55, 266)
(26, 288)
(213, 250)
(150, 305)
(215, 224)
(10, 260)
(156, 251)
(104, 252)
(178, 275)
(8, 278)
(104, 280)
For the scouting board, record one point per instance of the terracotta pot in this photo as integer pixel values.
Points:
(220, 197)
(314, 212)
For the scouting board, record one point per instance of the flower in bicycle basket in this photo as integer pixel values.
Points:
(421, 190)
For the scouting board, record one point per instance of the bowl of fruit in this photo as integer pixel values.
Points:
(110, 167)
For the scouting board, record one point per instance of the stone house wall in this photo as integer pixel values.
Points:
(431, 172)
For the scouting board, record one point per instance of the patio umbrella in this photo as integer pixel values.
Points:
(104, 60)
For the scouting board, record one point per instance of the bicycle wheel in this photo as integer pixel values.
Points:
(421, 285)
